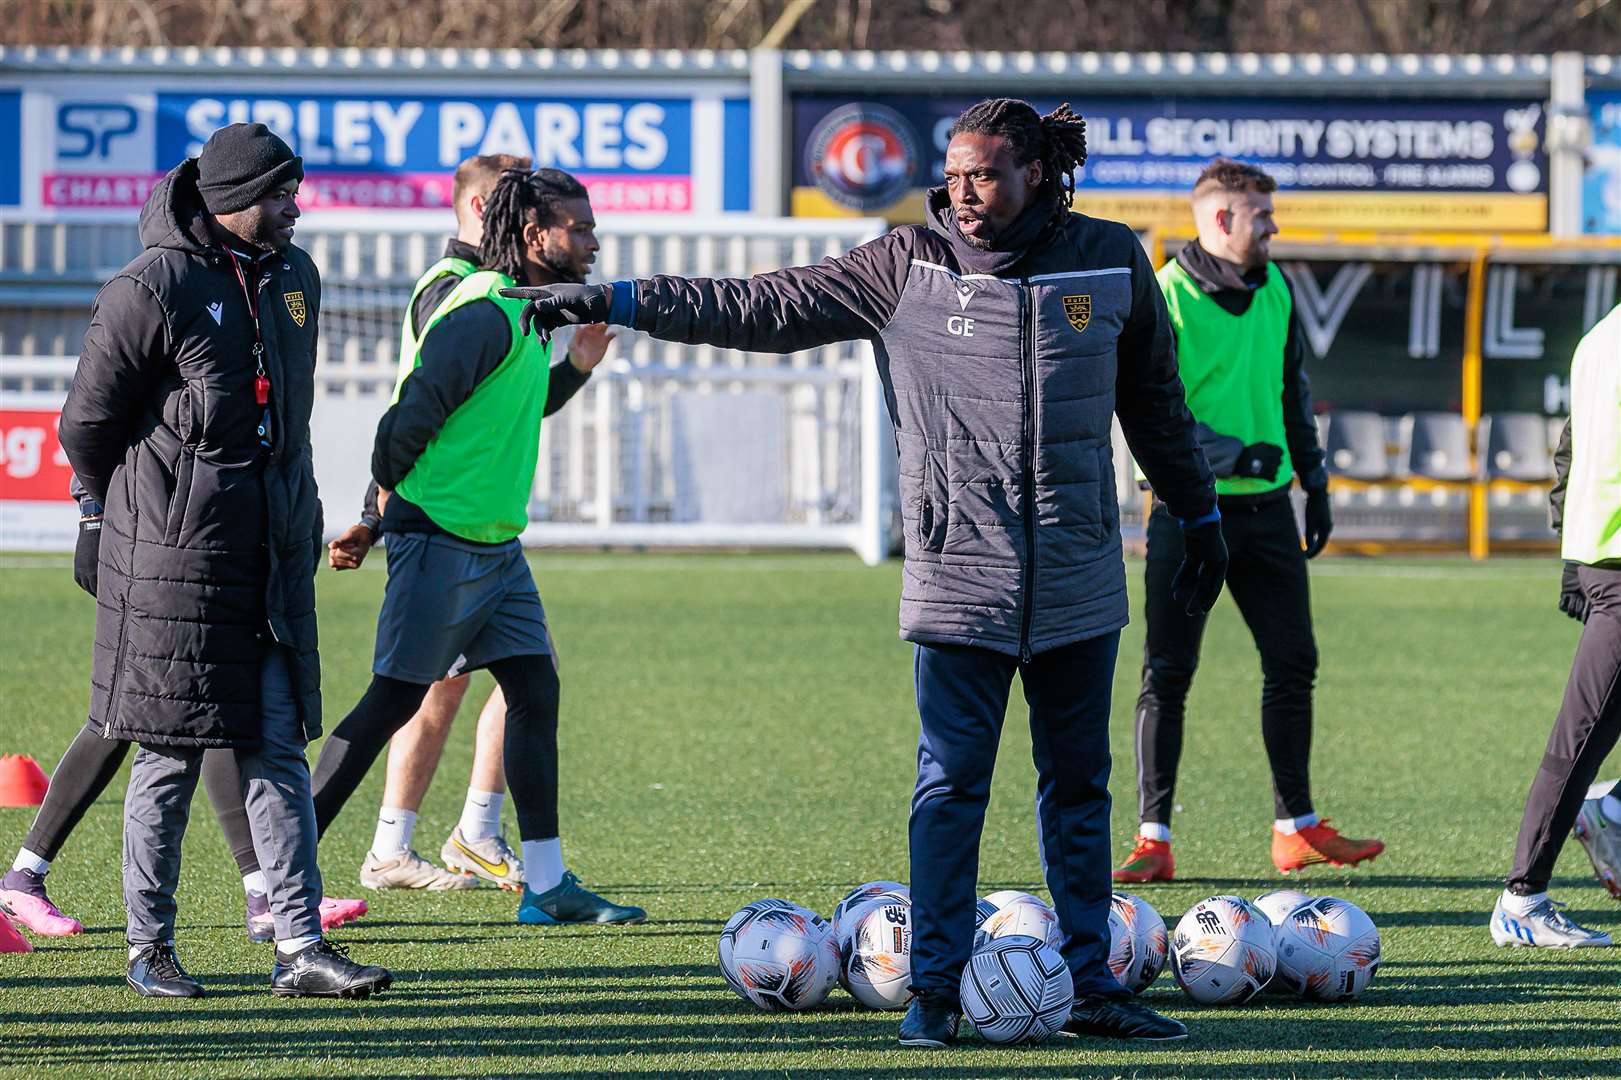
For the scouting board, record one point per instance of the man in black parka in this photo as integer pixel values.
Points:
(1008, 332)
(188, 419)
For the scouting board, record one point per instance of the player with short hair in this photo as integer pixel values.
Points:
(476, 847)
(1586, 512)
(454, 461)
(1008, 332)
(1241, 354)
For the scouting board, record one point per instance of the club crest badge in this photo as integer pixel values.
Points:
(1078, 310)
(295, 306)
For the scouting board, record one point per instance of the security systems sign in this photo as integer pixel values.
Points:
(107, 145)
(1361, 163)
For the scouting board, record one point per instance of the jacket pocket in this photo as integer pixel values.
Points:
(1108, 498)
(185, 468)
(935, 506)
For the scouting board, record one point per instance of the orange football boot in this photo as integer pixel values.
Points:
(1150, 860)
(1319, 844)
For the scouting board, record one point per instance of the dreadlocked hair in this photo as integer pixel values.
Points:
(519, 198)
(1057, 140)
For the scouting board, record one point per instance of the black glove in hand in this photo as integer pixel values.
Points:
(1258, 461)
(1572, 600)
(86, 553)
(551, 306)
(1198, 580)
(1319, 521)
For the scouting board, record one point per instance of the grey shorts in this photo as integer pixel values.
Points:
(452, 607)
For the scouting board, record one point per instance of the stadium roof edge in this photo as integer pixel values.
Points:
(461, 63)
(1377, 74)
(1337, 73)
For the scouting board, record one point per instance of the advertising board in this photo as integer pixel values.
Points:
(1340, 163)
(644, 148)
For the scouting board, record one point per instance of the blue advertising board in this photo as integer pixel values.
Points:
(870, 155)
(11, 134)
(1601, 184)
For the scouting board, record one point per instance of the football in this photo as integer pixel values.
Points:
(1277, 904)
(850, 909)
(1328, 950)
(1026, 916)
(778, 956)
(983, 909)
(1016, 989)
(877, 964)
(1004, 897)
(1138, 942)
(1222, 952)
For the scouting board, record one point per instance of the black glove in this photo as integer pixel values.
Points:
(1319, 521)
(1572, 600)
(1258, 461)
(1198, 580)
(551, 306)
(86, 552)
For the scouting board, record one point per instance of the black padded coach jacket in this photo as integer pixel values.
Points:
(210, 540)
(1001, 371)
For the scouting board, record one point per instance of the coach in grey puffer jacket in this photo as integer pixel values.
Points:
(1006, 331)
(1001, 370)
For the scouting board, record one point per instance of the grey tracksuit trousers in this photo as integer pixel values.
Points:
(1588, 727)
(281, 815)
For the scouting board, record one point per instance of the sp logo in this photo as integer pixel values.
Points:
(960, 325)
(87, 129)
(1078, 310)
(295, 306)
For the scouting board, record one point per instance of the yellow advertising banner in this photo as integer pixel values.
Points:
(1377, 211)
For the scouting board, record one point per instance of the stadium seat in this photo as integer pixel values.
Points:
(1436, 447)
(1515, 448)
(1355, 445)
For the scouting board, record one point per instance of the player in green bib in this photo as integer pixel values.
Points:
(1586, 505)
(454, 461)
(1240, 354)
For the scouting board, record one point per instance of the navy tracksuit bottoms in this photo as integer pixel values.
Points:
(962, 697)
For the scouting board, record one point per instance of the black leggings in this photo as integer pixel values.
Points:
(89, 766)
(530, 686)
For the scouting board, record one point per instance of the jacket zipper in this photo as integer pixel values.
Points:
(1027, 437)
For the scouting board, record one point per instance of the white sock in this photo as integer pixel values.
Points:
(285, 950)
(1515, 904)
(543, 864)
(481, 814)
(1289, 826)
(136, 950)
(1610, 807)
(394, 829)
(27, 860)
(1153, 830)
(255, 883)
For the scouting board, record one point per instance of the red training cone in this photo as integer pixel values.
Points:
(22, 781)
(10, 940)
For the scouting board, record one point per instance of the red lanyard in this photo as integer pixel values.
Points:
(261, 380)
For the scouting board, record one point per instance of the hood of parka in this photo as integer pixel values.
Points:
(173, 216)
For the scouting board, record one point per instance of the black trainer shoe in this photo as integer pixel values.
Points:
(1121, 1018)
(929, 1024)
(325, 970)
(156, 972)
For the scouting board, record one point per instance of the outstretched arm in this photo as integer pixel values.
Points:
(839, 299)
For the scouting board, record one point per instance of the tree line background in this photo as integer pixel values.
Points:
(1393, 26)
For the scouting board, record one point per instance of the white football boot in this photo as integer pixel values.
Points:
(410, 871)
(1544, 926)
(1601, 839)
(491, 858)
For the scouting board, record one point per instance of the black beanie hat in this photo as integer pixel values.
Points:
(241, 164)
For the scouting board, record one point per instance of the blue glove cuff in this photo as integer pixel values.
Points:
(1209, 519)
(622, 308)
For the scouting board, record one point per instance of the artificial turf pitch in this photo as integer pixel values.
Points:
(742, 726)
